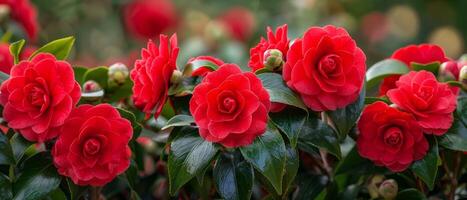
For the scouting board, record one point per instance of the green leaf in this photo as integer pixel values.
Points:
(76, 191)
(19, 146)
(57, 194)
(189, 155)
(134, 123)
(411, 193)
(431, 67)
(290, 122)
(192, 66)
(278, 91)
(5, 187)
(59, 48)
(263, 70)
(268, 155)
(370, 100)
(116, 93)
(233, 178)
(98, 74)
(3, 77)
(15, 50)
(427, 168)
(6, 152)
(309, 186)
(345, 118)
(79, 74)
(39, 177)
(318, 134)
(179, 120)
(456, 137)
(383, 69)
(291, 168)
(462, 109)
(131, 174)
(354, 164)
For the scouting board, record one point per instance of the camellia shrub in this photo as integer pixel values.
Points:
(308, 120)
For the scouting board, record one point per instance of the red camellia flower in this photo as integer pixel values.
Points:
(390, 137)
(39, 96)
(203, 71)
(277, 41)
(230, 107)
(149, 18)
(151, 74)
(6, 59)
(326, 68)
(432, 103)
(92, 148)
(25, 14)
(420, 54)
(239, 22)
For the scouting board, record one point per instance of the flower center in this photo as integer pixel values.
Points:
(425, 92)
(393, 136)
(36, 96)
(92, 146)
(228, 105)
(328, 64)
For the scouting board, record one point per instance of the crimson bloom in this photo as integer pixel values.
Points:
(230, 107)
(326, 68)
(39, 96)
(149, 18)
(6, 59)
(239, 22)
(420, 54)
(25, 14)
(151, 74)
(276, 40)
(92, 148)
(432, 103)
(390, 137)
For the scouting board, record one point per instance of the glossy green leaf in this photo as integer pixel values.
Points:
(411, 193)
(456, 137)
(19, 146)
(60, 48)
(427, 168)
(318, 134)
(5, 187)
(354, 164)
(115, 93)
(291, 168)
(383, 69)
(263, 70)
(345, 118)
(57, 194)
(431, 67)
(38, 178)
(233, 177)
(76, 191)
(268, 155)
(370, 100)
(6, 152)
(79, 74)
(309, 186)
(279, 92)
(189, 155)
(15, 50)
(290, 122)
(179, 120)
(98, 74)
(192, 66)
(134, 123)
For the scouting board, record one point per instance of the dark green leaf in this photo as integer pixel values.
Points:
(60, 48)
(427, 168)
(115, 93)
(354, 164)
(411, 193)
(57, 194)
(19, 146)
(132, 118)
(39, 177)
(262, 70)
(6, 153)
(318, 134)
(76, 191)
(309, 186)
(179, 120)
(192, 66)
(3, 77)
(278, 91)
(291, 168)
(5, 187)
(15, 49)
(189, 155)
(462, 109)
(431, 67)
(79, 74)
(370, 100)
(344, 119)
(268, 155)
(456, 137)
(98, 74)
(290, 121)
(383, 69)
(233, 177)
(454, 83)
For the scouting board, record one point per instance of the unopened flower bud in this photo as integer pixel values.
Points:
(92, 91)
(91, 86)
(463, 77)
(176, 77)
(388, 189)
(273, 59)
(118, 73)
(373, 185)
(447, 70)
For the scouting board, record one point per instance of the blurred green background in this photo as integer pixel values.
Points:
(378, 26)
